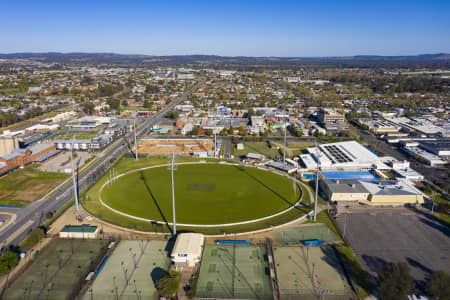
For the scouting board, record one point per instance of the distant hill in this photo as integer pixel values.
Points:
(79, 57)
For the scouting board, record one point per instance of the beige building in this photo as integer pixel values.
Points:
(347, 191)
(400, 191)
(343, 190)
(8, 144)
(188, 249)
(331, 119)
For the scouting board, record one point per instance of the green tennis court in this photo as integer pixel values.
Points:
(234, 272)
(131, 271)
(296, 234)
(313, 271)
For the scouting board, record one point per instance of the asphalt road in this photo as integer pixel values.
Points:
(36, 211)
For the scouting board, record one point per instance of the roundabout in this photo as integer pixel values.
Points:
(207, 194)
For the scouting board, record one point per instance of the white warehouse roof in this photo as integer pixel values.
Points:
(349, 154)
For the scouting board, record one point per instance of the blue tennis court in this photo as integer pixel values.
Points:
(366, 176)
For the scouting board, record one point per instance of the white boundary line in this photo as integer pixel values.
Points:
(190, 225)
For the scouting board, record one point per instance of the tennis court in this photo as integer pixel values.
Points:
(234, 272)
(58, 271)
(309, 272)
(131, 271)
(295, 235)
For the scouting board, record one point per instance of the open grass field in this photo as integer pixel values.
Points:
(258, 147)
(234, 272)
(22, 186)
(142, 262)
(294, 235)
(204, 193)
(91, 203)
(309, 272)
(58, 271)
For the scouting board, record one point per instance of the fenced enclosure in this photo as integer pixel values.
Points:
(309, 273)
(132, 271)
(59, 271)
(234, 272)
(296, 234)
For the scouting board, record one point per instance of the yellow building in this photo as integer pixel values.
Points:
(393, 192)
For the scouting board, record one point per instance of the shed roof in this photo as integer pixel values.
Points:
(79, 228)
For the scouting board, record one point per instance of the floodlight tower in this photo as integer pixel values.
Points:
(172, 168)
(215, 135)
(73, 178)
(317, 179)
(284, 150)
(135, 139)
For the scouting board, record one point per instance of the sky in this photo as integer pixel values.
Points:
(227, 28)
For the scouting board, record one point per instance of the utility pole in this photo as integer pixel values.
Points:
(172, 168)
(135, 139)
(317, 179)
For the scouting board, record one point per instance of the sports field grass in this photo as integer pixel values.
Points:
(204, 193)
(143, 263)
(91, 203)
(22, 186)
(234, 272)
(309, 271)
(57, 272)
(294, 235)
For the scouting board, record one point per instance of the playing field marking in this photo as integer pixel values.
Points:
(182, 224)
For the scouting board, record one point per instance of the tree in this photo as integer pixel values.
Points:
(114, 104)
(33, 237)
(147, 104)
(195, 130)
(172, 115)
(168, 285)
(439, 285)
(8, 260)
(395, 282)
(88, 108)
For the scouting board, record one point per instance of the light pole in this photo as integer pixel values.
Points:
(172, 168)
(284, 150)
(215, 135)
(135, 139)
(317, 179)
(73, 178)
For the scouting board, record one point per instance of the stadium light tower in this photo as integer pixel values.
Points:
(172, 168)
(73, 177)
(215, 135)
(284, 150)
(135, 139)
(317, 179)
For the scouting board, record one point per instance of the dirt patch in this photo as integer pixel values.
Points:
(4, 194)
(35, 190)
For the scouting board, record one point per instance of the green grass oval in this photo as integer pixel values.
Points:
(204, 194)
